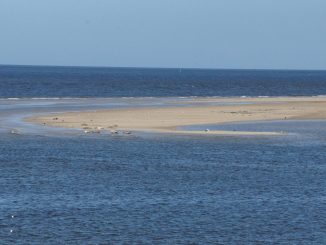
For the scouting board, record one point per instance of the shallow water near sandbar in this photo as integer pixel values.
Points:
(293, 131)
(199, 190)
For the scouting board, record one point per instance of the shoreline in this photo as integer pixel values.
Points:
(192, 111)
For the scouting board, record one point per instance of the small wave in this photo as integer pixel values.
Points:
(12, 99)
(44, 98)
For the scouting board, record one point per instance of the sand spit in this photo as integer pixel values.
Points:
(196, 111)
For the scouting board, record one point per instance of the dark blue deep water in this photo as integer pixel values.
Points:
(30, 81)
(154, 189)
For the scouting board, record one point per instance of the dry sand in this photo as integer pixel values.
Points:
(195, 111)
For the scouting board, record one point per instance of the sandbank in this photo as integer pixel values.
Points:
(193, 111)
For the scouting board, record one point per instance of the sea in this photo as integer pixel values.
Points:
(60, 186)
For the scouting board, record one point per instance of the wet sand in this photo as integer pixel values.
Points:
(196, 111)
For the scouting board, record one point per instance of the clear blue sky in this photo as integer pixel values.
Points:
(286, 34)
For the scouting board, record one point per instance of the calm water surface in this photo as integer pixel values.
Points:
(70, 188)
(33, 81)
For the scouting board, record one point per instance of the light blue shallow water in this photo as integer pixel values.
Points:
(296, 131)
(64, 187)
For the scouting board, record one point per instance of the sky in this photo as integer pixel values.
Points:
(239, 34)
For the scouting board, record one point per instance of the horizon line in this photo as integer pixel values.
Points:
(167, 68)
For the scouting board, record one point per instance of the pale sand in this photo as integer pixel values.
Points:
(199, 111)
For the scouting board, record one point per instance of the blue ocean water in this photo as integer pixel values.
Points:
(31, 81)
(70, 188)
